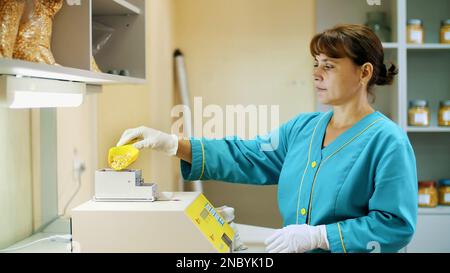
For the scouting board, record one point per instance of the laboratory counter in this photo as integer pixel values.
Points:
(252, 236)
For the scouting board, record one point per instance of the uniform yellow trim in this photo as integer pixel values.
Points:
(307, 165)
(203, 160)
(334, 153)
(342, 238)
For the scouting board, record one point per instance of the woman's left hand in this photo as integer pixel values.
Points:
(297, 239)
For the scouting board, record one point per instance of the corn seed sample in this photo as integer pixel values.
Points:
(34, 37)
(10, 14)
(120, 162)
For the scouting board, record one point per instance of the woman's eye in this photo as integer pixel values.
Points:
(316, 65)
(328, 67)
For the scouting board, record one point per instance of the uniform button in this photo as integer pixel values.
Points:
(303, 211)
(314, 164)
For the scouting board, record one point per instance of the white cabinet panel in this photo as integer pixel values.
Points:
(432, 235)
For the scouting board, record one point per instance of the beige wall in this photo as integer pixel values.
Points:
(76, 142)
(248, 52)
(96, 126)
(15, 176)
(237, 52)
(123, 107)
(75, 138)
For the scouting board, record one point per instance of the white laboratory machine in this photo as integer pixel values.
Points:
(127, 185)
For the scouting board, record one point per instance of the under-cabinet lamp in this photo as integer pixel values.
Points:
(23, 92)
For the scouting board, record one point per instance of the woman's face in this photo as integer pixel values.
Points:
(336, 81)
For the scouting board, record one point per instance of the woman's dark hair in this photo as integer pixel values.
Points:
(361, 45)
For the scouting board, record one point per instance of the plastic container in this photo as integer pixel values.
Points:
(119, 158)
(418, 113)
(428, 194)
(445, 31)
(415, 32)
(444, 192)
(444, 113)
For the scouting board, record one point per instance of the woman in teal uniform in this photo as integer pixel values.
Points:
(347, 179)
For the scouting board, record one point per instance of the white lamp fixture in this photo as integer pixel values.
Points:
(21, 92)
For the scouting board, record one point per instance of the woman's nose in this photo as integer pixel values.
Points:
(317, 75)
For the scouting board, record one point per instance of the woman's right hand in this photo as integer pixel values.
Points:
(150, 138)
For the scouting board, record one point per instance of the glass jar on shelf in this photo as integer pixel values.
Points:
(428, 194)
(418, 113)
(445, 31)
(444, 113)
(415, 32)
(444, 192)
(376, 21)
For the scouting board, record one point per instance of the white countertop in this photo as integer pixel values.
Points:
(252, 236)
(58, 227)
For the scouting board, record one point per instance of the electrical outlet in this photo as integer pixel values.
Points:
(78, 165)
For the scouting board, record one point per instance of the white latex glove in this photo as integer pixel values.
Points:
(150, 138)
(297, 239)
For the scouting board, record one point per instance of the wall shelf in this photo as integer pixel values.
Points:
(114, 7)
(433, 129)
(73, 38)
(435, 211)
(390, 45)
(37, 70)
(428, 47)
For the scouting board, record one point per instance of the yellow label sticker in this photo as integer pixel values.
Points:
(211, 224)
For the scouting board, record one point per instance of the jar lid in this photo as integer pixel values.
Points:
(445, 22)
(444, 182)
(427, 184)
(418, 103)
(445, 103)
(416, 22)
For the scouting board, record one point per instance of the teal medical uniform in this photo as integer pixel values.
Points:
(362, 186)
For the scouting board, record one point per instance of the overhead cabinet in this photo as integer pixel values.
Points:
(107, 33)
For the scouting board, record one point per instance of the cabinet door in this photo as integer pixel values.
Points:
(432, 234)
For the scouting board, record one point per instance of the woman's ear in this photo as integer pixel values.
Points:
(366, 72)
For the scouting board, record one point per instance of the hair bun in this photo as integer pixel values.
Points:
(386, 76)
(383, 70)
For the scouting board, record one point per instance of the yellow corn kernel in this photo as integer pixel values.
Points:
(120, 162)
(121, 157)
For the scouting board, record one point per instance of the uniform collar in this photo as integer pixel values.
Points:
(347, 136)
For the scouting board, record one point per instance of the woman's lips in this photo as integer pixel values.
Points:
(318, 89)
